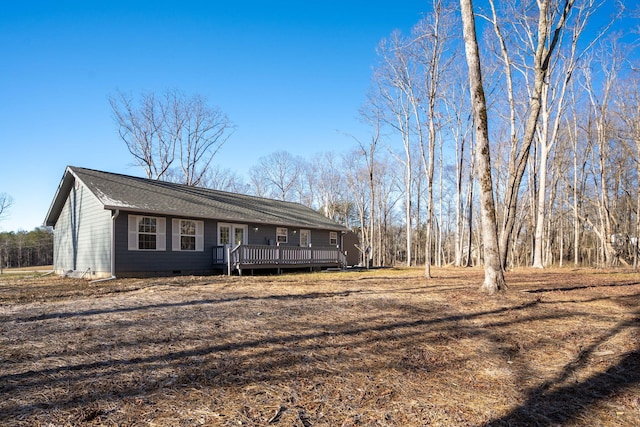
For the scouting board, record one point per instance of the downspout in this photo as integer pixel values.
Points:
(114, 216)
(341, 251)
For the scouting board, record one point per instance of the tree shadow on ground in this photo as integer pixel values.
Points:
(208, 301)
(319, 349)
(169, 305)
(272, 358)
(579, 287)
(544, 407)
(551, 404)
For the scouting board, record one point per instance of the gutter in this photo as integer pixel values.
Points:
(220, 218)
(114, 216)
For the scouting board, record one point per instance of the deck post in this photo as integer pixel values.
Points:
(229, 260)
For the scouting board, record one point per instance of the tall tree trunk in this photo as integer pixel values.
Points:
(635, 120)
(407, 212)
(541, 205)
(459, 217)
(577, 222)
(440, 245)
(541, 65)
(494, 276)
(469, 209)
(561, 242)
(637, 236)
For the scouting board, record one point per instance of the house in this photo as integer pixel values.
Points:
(108, 225)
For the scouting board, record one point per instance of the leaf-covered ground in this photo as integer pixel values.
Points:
(373, 348)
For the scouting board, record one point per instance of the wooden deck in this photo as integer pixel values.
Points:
(252, 257)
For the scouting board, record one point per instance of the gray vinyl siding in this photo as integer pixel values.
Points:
(137, 262)
(166, 262)
(266, 235)
(82, 235)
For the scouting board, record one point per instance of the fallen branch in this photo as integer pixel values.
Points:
(276, 416)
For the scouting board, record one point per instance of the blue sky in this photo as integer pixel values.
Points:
(290, 74)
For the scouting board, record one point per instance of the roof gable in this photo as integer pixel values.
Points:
(116, 191)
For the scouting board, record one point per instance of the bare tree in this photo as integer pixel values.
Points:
(542, 43)
(578, 166)
(142, 125)
(371, 114)
(257, 184)
(393, 79)
(205, 131)
(224, 179)
(553, 100)
(304, 188)
(389, 194)
(432, 36)
(600, 90)
(382, 178)
(5, 203)
(330, 190)
(358, 185)
(456, 108)
(276, 175)
(494, 276)
(628, 112)
(158, 130)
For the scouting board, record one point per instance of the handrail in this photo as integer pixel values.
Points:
(244, 255)
(283, 254)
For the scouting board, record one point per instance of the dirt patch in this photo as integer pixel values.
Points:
(376, 348)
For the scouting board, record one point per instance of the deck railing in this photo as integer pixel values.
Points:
(264, 255)
(219, 256)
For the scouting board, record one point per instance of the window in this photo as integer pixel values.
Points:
(188, 235)
(333, 238)
(146, 233)
(305, 238)
(238, 235)
(281, 235)
(224, 235)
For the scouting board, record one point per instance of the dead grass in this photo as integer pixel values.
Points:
(22, 272)
(377, 348)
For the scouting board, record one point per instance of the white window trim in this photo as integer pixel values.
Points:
(333, 235)
(282, 232)
(245, 233)
(308, 233)
(176, 235)
(232, 232)
(161, 234)
(221, 225)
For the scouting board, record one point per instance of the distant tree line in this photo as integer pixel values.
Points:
(26, 248)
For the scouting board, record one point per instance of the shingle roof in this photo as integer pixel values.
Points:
(134, 194)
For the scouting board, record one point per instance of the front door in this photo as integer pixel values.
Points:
(305, 238)
(232, 234)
